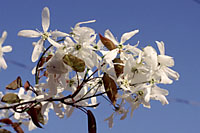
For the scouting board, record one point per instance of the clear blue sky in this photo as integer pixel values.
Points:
(176, 22)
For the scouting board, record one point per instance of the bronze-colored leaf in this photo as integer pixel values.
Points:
(27, 86)
(44, 60)
(45, 73)
(110, 88)
(10, 98)
(15, 84)
(4, 131)
(17, 128)
(74, 62)
(119, 69)
(107, 42)
(36, 116)
(92, 128)
(6, 121)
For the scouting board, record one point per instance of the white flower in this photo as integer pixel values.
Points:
(120, 110)
(151, 57)
(83, 33)
(159, 94)
(3, 50)
(121, 48)
(56, 65)
(164, 73)
(82, 47)
(45, 35)
(136, 71)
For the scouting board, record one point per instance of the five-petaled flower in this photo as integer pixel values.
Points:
(45, 35)
(3, 50)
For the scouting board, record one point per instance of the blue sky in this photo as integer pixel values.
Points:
(176, 22)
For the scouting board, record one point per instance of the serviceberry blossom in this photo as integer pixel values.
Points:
(75, 71)
(45, 35)
(3, 49)
(119, 46)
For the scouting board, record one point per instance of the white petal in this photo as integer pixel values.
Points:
(160, 91)
(33, 70)
(7, 49)
(3, 37)
(127, 36)
(110, 36)
(151, 57)
(85, 22)
(58, 110)
(31, 126)
(161, 47)
(147, 96)
(3, 63)
(110, 120)
(59, 34)
(69, 111)
(134, 106)
(55, 65)
(166, 60)
(54, 43)
(129, 65)
(160, 98)
(111, 55)
(29, 33)
(139, 59)
(68, 41)
(37, 50)
(45, 19)
(133, 49)
(17, 115)
(164, 78)
(171, 73)
(146, 105)
(125, 115)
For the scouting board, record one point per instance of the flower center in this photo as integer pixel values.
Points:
(78, 46)
(45, 35)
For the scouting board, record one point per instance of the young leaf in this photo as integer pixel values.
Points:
(10, 98)
(6, 121)
(17, 128)
(118, 68)
(36, 116)
(74, 62)
(27, 86)
(107, 42)
(44, 60)
(92, 128)
(15, 84)
(110, 88)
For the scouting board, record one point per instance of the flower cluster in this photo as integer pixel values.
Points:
(75, 69)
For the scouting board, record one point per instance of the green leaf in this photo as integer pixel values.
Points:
(10, 98)
(74, 62)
